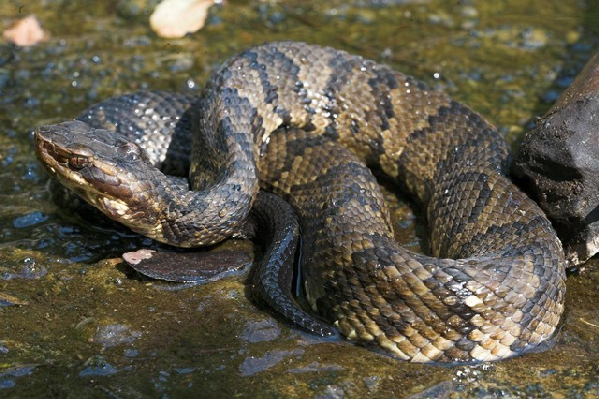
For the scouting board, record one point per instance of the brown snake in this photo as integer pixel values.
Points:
(495, 283)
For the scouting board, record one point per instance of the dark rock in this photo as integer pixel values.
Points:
(558, 165)
(197, 266)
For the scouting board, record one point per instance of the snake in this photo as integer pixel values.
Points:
(308, 124)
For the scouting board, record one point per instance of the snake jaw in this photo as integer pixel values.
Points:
(100, 182)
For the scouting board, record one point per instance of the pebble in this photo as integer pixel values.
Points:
(97, 366)
(258, 331)
(252, 364)
(115, 334)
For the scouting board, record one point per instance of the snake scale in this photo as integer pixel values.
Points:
(302, 121)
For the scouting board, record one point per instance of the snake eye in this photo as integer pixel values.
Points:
(78, 161)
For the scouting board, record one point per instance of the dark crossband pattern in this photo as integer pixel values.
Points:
(303, 121)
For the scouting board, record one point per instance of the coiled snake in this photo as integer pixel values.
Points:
(301, 120)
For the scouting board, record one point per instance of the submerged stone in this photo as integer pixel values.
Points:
(252, 364)
(97, 366)
(115, 334)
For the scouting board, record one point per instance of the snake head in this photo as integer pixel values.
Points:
(104, 168)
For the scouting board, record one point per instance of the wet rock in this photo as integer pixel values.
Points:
(115, 334)
(331, 392)
(97, 366)
(130, 352)
(252, 364)
(558, 165)
(26, 268)
(7, 376)
(29, 219)
(258, 331)
(441, 390)
(316, 366)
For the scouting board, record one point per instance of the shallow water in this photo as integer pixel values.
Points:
(75, 322)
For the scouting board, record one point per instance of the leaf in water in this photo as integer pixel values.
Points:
(196, 267)
(176, 18)
(10, 300)
(26, 32)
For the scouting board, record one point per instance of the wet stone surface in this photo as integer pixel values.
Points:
(558, 163)
(75, 321)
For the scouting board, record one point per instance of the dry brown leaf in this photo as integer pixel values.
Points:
(12, 300)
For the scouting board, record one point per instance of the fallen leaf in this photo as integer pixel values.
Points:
(176, 18)
(133, 258)
(10, 300)
(197, 266)
(26, 32)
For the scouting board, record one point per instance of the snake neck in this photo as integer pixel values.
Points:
(187, 218)
(223, 175)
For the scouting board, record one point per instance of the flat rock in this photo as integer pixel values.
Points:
(558, 165)
(196, 267)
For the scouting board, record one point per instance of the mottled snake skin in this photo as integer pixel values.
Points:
(495, 283)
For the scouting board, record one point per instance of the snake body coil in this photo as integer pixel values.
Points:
(495, 285)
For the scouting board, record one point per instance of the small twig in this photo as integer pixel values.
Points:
(588, 324)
